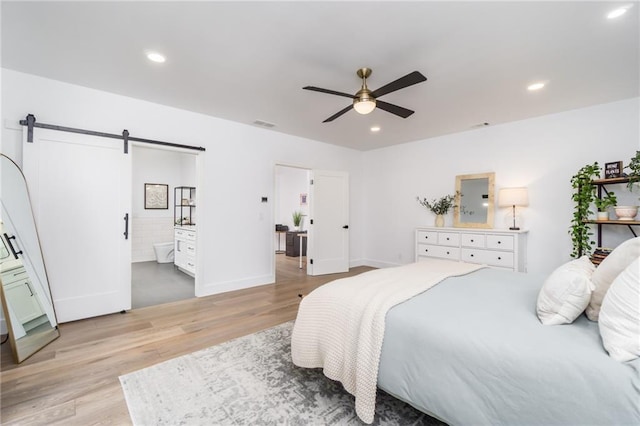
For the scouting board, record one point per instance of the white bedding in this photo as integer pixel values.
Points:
(340, 325)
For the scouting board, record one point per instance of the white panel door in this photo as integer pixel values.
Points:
(80, 189)
(328, 250)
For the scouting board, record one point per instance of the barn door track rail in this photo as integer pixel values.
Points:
(30, 122)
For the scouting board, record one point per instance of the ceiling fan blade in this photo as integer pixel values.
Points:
(394, 109)
(338, 114)
(406, 81)
(331, 92)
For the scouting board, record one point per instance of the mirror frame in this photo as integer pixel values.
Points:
(491, 200)
(36, 342)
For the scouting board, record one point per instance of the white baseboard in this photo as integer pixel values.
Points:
(223, 287)
(380, 264)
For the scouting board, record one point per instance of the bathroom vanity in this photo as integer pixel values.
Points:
(185, 248)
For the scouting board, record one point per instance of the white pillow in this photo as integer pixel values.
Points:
(608, 270)
(620, 315)
(566, 292)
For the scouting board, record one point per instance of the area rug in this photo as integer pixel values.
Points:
(249, 381)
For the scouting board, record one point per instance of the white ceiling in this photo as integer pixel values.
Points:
(249, 61)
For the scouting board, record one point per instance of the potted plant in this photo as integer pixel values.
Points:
(439, 207)
(634, 168)
(583, 196)
(630, 212)
(602, 204)
(297, 219)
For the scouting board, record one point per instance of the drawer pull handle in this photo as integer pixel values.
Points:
(499, 258)
(448, 253)
(472, 255)
(447, 238)
(471, 240)
(499, 242)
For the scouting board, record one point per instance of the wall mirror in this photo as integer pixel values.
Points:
(27, 305)
(474, 201)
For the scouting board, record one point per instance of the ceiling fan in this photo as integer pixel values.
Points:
(365, 100)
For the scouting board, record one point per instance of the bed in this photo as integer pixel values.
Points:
(470, 350)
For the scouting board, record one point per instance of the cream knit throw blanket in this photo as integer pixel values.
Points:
(340, 325)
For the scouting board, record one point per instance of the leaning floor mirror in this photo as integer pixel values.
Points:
(26, 297)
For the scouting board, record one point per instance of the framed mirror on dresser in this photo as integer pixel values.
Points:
(474, 201)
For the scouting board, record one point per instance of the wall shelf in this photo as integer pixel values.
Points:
(601, 187)
(184, 205)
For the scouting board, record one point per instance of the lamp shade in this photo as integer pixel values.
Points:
(508, 197)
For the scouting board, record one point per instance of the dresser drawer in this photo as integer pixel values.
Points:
(488, 257)
(452, 253)
(473, 240)
(449, 239)
(428, 237)
(500, 242)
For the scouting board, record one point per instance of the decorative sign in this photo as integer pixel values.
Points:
(613, 170)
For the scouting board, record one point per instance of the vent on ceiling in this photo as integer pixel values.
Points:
(264, 124)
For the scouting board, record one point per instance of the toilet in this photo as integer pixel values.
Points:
(164, 252)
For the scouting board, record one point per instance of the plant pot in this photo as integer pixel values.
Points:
(626, 212)
(602, 216)
(440, 220)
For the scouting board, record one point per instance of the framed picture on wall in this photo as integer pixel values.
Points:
(156, 196)
(303, 199)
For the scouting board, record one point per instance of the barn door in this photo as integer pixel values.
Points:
(80, 188)
(328, 250)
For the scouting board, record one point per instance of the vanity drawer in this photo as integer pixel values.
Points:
(449, 239)
(473, 240)
(427, 237)
(188, 248)
(452, 253)
(183, 234)
(488, 257)
(500, 242)
(13, 275)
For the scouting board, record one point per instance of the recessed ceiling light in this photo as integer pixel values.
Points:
(375, 129)
(616, 13)
(535, 86)
(156, 57)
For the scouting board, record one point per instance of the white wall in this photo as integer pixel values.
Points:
(235, 240)
(151, 165)
(540, 153)
(239, 165)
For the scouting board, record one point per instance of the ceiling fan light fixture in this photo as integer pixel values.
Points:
(365, 106)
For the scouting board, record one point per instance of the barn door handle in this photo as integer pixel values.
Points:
(13, 250)
(126, 226)
(345, 227)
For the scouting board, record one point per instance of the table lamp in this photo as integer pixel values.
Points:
(512, 197)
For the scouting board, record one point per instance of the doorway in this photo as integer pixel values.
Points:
(155, 279)
(291, 197)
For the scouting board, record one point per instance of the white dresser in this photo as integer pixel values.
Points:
(498, 248)
(185, 249)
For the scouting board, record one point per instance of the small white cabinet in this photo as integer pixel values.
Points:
(185, 249)
(498, 248)
(19, 292)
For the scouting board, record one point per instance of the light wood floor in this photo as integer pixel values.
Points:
(74, 380)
